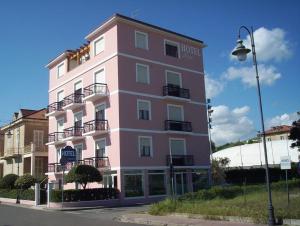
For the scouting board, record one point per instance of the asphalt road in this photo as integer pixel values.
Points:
(20, 216)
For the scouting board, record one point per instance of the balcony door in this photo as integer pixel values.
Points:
(100, 148)
(60, 128)
(60, 98)
(38, 138)
(100, 112)
(100, 79)
(175, 113)
(173, 79)
(78, 120)
(78, 149)
(177, 146)
(77, 92)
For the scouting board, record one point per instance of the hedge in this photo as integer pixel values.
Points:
(12, 194)
(258, 175)
(73, 195)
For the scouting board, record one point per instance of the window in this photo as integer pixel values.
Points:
(60, 99)
(177, 146)
(281, 137)
(175, 113)
(134, 184)
(171, 49)
(141, 40)
(78, 120)
(98, 46)
(78, 149)
(60, 70)
(173, 78)
(58, 154)
(156, 181)
(38, 136)
(142, 73)
(145, 146)
(144, 110)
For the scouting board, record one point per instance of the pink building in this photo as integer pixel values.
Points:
(127, 101)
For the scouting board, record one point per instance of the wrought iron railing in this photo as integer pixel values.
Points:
(95, 125)
(56, 106)
(178, 126)
(56, 136)
(73, 132)
(180, 160)
(94, 89)
(74, 98)
(176, 91)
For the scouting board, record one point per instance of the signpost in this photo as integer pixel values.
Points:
(285, 164)
(68, 154)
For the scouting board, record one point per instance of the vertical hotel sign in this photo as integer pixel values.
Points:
(188, 51)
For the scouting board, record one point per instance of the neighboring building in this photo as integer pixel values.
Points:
(127, 99)
(22, 144)
(278, 133)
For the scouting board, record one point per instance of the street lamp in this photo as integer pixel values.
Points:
(241, 52)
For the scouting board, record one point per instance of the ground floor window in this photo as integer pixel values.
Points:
(134, 184)
(200, 179)
(110, 179)
(156, 181)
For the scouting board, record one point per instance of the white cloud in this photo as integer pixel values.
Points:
(267, 74)
(270, 45)
(231, 125)
(284, 119)
(212, 87)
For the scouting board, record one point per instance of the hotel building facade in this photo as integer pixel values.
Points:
(131, 101)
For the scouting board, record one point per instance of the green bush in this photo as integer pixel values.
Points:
(8, 181)
(25, 182)
(73, 195)
(12, 194)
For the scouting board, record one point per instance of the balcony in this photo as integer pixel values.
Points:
(33, 148)
(95, 127)
(73, 101)
(56, 138)
(55, 109)
(73, 133)
(178, 126)
(12, 153)
(180, 160)
(173, 92)
(98, 162)
(95, 91)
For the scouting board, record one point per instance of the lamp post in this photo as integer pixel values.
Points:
(241, 52)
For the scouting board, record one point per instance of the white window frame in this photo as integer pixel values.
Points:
(174, 72)
(102, 103)
(94, 45)
(151, 146)
(147, 39)
(60, 119)
(184, 142)
(77, 113)
(64, 71)
(137, 108)
(76, 82)
(80, 144)
(175, 105)
(97, 140)
(63, 94)
(136, 73)
(98, 70)
(58, 150)
(167, 41)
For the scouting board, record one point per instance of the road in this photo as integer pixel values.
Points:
(20, 216)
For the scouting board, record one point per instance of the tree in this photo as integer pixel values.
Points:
(8, 181)
(218, 170)
(295, 134)
(25, 182)
(83, 174)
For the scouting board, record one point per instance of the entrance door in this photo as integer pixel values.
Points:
(180, 183)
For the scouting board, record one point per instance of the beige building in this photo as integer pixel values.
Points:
(278, 133)
(22, 144)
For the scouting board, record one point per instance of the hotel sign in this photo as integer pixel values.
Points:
(189, 51)
(285, 162)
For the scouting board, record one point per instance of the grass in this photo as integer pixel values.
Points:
(253, 203)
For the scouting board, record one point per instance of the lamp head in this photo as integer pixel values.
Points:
(240, 51)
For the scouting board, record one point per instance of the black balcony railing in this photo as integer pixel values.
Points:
(73, 132)
(96, 88)
(176, 91)
(56, 136)
(54, 167)
(178, 126)
(98, 162)
(56, 106)
(74, 98)
(180, 160)
(95, 125)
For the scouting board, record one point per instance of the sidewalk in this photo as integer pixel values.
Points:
(179, 220)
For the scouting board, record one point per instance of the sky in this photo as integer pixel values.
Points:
(34, 32)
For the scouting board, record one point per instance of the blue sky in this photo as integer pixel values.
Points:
(33, 32)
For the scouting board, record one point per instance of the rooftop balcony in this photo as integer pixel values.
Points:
(95, 127)
(173, 92)
(55, 109)
(180, 160)
(73, 133)
(56, 138)
(95, 92)
(178, 126)
(73, 101)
